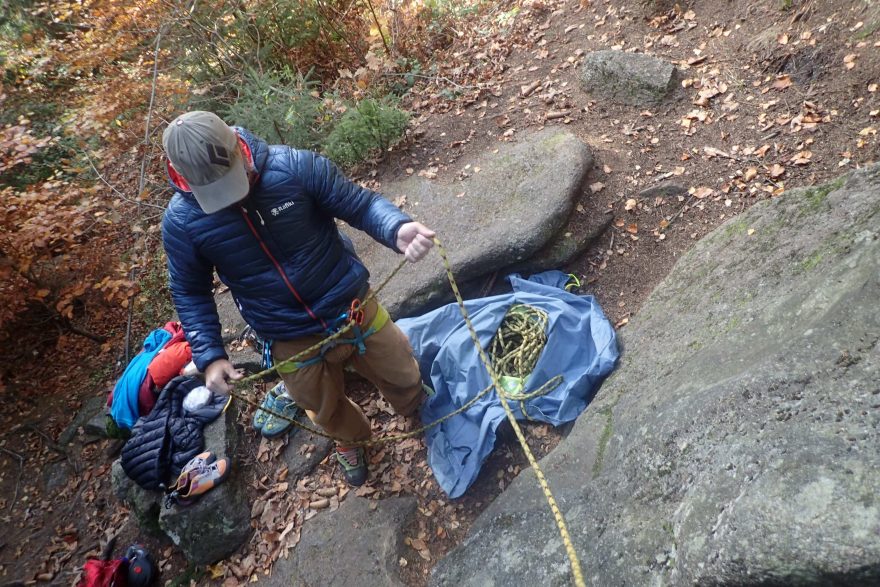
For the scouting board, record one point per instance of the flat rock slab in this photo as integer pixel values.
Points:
(495, 218)
(358, 544)
(738, 442)
(304, 450)
(635, 79)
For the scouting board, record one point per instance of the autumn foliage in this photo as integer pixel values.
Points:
(86, 88)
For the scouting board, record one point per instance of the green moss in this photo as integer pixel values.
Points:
(553, 142)
(812, 261)
(745, 299)
(814, 198)
(734, 227)
(607, 431)
(867, 30)
(732, 324)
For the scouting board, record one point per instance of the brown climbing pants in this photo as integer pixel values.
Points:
(319, 388)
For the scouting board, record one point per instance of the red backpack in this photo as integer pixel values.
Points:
(101, 573)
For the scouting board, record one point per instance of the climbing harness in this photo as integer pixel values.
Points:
(511, 361)
(351, 321)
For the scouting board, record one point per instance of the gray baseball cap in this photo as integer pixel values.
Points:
(205, 151)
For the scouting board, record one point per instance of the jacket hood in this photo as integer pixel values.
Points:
(259, 152)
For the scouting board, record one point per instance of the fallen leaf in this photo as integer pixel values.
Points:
(750, 231)
(596, 187)
(217, 571)
(632, 228)
(782, 82)
(701, 192)
(777, 170)
(750, 174)
(802, 158)
(850, 60)
(630, 204)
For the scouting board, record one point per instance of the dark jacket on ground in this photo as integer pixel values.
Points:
(284, 231)
(168, 437)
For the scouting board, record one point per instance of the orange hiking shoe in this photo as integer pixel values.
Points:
(191, 469)
(204, 480)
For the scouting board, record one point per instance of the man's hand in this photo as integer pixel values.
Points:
(414, 240)
(218, 372)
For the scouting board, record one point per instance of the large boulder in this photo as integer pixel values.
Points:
(738, 442)
(214, 526)
(489, 220)
(635, 79)
(359, 544)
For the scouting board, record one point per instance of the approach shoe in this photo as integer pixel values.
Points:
(260, 416)
(353, 464)
(206, 479)
(279, 421)
(191, 469)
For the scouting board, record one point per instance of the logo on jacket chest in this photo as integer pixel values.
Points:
(279, 209)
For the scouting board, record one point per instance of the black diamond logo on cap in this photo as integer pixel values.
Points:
(218, 155)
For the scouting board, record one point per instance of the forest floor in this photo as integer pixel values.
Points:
(771, 95)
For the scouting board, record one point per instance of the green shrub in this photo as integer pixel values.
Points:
(277, 110)
(227, 37)
(370, 126)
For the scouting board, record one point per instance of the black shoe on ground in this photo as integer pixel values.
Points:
(353, 463)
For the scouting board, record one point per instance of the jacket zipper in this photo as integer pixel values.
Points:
(278, 267)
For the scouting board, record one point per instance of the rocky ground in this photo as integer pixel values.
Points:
(770, 96)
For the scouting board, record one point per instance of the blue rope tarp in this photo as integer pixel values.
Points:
(581, 347)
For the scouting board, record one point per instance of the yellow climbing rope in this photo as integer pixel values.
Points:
(514, 350)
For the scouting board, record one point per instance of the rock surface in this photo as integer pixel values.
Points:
(492, 219)
(359, 544)
(90, 418)
(738, 442)
(304, 450)
(627, 78)
(212, 528)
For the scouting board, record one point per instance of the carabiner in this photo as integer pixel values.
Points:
(356, 312)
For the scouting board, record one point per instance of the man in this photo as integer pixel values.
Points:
(265, 218)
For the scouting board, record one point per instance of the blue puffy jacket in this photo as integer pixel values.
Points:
(282, 237)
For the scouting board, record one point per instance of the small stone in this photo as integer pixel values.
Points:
(628, 78)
